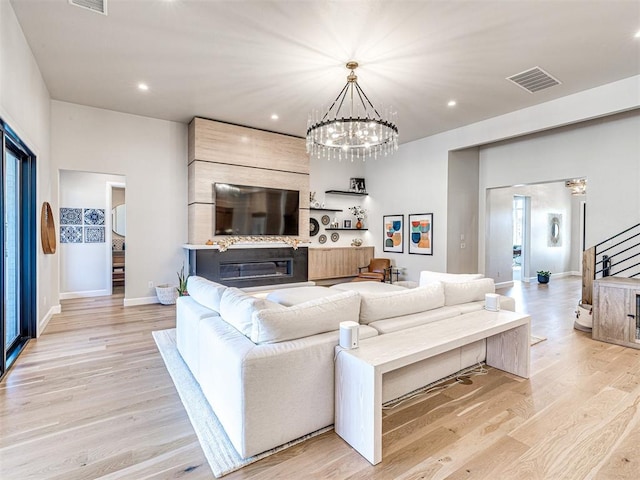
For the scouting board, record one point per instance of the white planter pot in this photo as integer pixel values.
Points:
(584, 317)
(167, 294)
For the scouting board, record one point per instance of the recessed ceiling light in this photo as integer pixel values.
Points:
(274, 116)
(637, 35)
(143, 87)
(452, 103)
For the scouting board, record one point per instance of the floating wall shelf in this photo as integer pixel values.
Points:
(355, 229)
(326, 209)
(345, 192)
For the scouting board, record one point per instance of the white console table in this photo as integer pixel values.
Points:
(359, 372)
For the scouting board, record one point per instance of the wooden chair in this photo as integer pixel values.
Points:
(376, 271)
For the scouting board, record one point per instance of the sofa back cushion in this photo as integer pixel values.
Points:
(377, 306)
(368, 287)
(205, 292)
(456, 293)
(237, 307)
(295, 295)
(305, 319)
(430, 277)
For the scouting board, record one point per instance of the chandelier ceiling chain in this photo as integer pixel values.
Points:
(354, 130)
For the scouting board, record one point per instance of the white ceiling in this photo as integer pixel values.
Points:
(240, 61)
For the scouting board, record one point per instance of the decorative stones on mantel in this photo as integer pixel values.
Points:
(225, 243)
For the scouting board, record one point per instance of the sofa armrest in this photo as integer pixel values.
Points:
(507, 303)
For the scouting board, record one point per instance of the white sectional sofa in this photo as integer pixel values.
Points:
(266, 365)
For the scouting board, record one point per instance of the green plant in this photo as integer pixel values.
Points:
(543, 273)
(182, 283)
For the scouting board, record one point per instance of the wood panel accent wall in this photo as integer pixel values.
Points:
(588, 274)
(337, 262)
(221, 152)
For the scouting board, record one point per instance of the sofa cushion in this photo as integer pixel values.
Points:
(205, 292)
(296, 295)
(456, 293)
(371, 287)
(377, 306)
(429, 277)
(237, 307)
(305, 319)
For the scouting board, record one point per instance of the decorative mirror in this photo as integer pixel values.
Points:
(119, 219)
(555, 227)
(47, 229)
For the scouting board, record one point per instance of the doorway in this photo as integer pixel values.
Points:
(520, 263)
(116, 199)
(86, 249)
(17, 236)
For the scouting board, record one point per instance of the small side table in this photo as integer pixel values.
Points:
(391, 272)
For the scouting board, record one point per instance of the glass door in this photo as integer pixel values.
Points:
(18, 247)
(11, 250)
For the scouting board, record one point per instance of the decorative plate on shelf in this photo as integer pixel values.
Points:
(335, 236)
(322, 238)
(325, 219)
(314, 227)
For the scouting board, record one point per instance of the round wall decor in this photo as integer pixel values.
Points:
(322, 238)
(47, 229)
(325, 219)
(314, 227)
(335, 236)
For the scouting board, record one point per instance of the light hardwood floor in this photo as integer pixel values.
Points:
(91, 399)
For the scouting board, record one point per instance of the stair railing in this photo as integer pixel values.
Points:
(618, 255)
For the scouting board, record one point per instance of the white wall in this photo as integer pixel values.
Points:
(462, 212)
(24, 105)
(415, 179)
(334, 175)
(544, 199)
(152, 155)
(85, 268)
(606, 151)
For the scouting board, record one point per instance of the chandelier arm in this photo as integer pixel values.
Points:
(341, 94)
(344, 95)
(369, 101)
(364, 105)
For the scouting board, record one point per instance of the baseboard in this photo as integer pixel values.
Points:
(504, 284)
(42, 324)
(132, 302)
(88, 293)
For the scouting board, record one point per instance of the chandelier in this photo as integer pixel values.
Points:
(352, 127)
(578, 186)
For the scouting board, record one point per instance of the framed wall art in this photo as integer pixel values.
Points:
(421, 233)
(393, 229)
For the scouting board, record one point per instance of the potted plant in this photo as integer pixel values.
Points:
(543, 276)
(182, 283)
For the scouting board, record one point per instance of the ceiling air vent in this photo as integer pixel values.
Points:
(534, 80)
(98, 6)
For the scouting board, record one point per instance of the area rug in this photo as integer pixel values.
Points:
(217, 447)
(535, 339)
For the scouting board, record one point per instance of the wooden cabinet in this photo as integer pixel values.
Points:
(337, 262)
(117, 270)
(616, 308)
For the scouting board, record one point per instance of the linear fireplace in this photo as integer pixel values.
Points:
(249, 267)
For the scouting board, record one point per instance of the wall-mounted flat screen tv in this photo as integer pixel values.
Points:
(245, 210)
